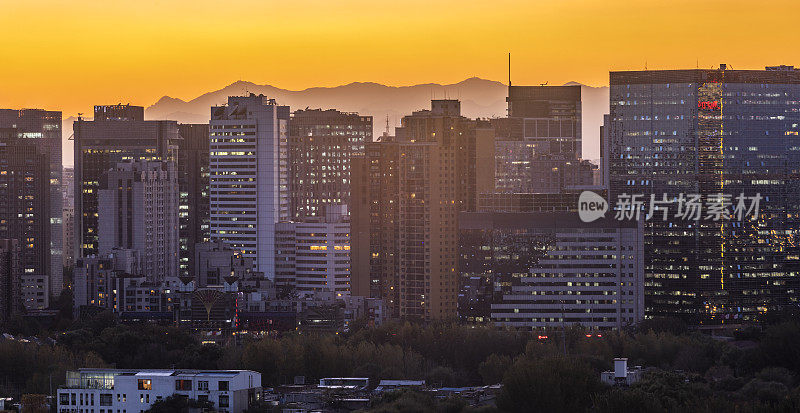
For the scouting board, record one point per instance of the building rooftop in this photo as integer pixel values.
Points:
(770, 75)
(163, 372)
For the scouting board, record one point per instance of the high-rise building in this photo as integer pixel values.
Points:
(519, 170)
(313, 255)
(705, 132)
(321, 143)
(25, 212)
(538, 147)
(10, 279)
(193, 173)
(551, 269)
(494, 250)
(138, 210)
(43, 128)
(249, 176)
(68, 217)
(117, 133)
(404, 225)
(404, 230)
(547, 117)
(458, 135)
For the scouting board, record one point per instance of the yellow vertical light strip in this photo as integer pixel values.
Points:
(721, 177)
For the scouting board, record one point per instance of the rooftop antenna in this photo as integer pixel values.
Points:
(645, 65)
(509, 69)
(387, 124)
(544, 84)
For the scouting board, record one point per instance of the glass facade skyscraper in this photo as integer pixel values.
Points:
(708, 132)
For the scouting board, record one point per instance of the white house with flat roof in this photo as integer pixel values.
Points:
(134, 391)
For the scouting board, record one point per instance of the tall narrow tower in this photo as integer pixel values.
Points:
(249, 178)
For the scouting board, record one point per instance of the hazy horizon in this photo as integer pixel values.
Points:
(80, 53)
(481, 98)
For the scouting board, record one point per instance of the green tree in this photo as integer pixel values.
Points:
(549, 385)
(626, 400)
(179, 404)
(493, 368)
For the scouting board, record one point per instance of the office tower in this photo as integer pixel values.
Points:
(25, 212)
(548, 117)
(313, 256)
(193, 172)
(10, 279)
(701, 131)
(538, 147)
(321, 144)
(249, 176)
(519, 170)
(68, 217)
(138, 210)
(43, 128)
(117, 133)
(551, 269)
(404, 229)
(217, 264)
(491, 255)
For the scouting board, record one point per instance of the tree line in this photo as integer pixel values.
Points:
(688, 371)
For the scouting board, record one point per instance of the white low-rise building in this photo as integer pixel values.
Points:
(622, 375)
(134, 391)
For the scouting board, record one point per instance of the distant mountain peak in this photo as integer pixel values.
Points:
(166, 100)
(480, 98)
(475, 80)
(242, 83)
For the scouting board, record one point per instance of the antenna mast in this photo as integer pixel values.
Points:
(509, 69)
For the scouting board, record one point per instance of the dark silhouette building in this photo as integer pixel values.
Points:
(193, 174)
(10, 279)
(548, 117)
(43, 128)
(25, 212)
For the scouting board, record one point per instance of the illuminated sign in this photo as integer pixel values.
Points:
(711, 105)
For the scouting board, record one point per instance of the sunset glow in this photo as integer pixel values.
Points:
(70, 55)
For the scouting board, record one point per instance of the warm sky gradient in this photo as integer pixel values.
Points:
(71, 54)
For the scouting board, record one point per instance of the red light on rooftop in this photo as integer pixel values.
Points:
(709, 105)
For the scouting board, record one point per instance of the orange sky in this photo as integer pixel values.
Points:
(71, 54)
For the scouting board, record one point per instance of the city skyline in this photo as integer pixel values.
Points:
(453, 205)
(137, 54)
